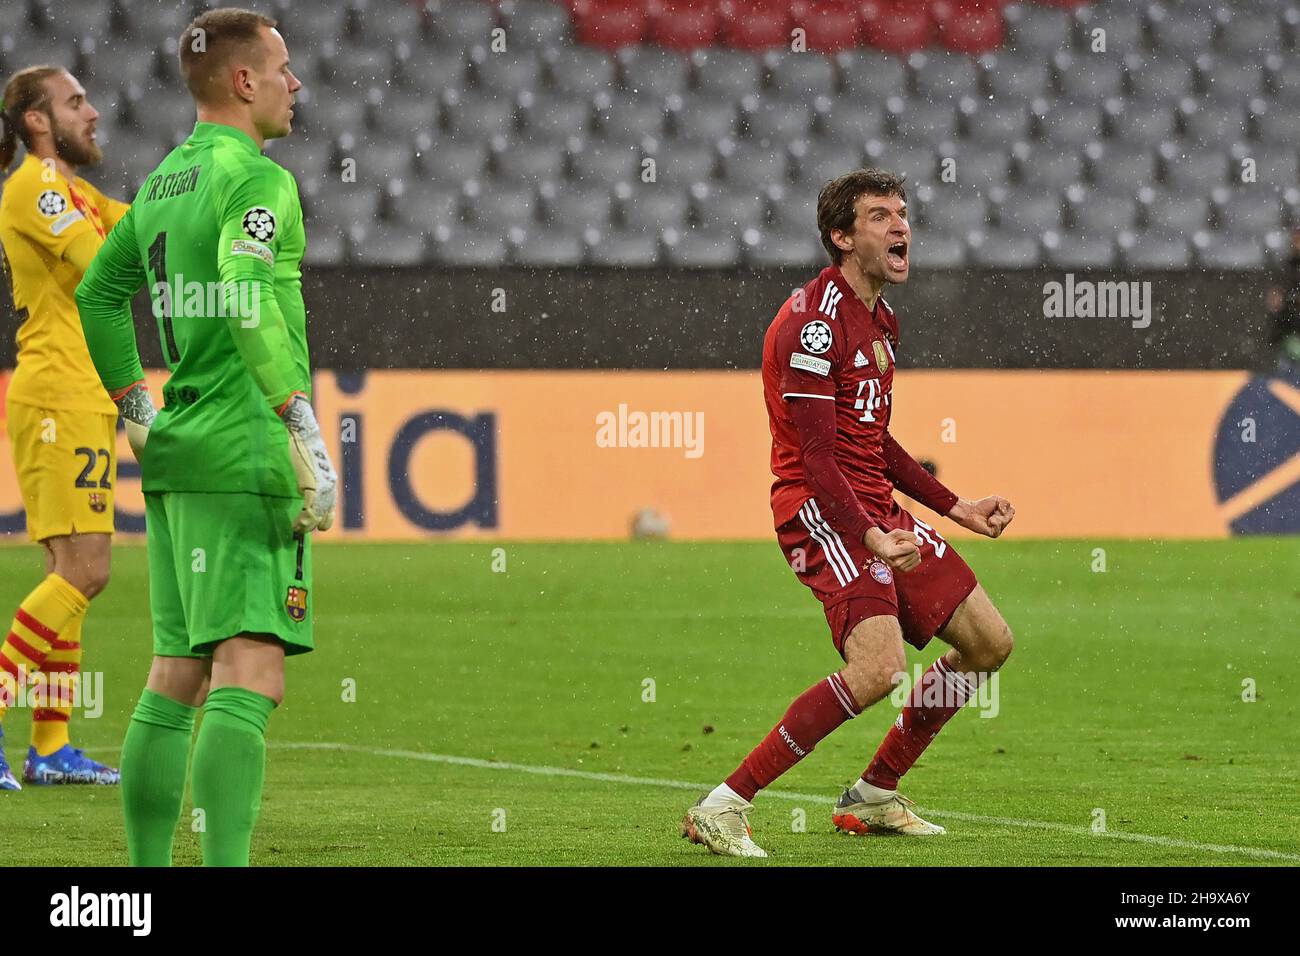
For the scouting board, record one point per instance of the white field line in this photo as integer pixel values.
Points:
(621, 778)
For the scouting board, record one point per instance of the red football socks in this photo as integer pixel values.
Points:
(813, 715)
(939, 694)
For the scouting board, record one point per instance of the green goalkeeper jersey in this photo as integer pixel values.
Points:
(216, 233)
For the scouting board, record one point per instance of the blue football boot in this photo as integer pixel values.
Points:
(67, 765)
(7, 781)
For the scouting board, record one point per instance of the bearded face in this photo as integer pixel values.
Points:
(75, 142)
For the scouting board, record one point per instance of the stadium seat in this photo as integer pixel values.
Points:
(942, 76)
(1067, 251)
(477, 115)
(1029, 213)
(799, 76)
(1046, 167)
(505, 73)
(567, 208)
(469, 247)
(1152, 249)
(1228, 80)
(551, 116)
(1277, 125)
(1120, 168)
(830, 26)
(1196, 169)
(534, 24)
(701, 248)
(1008, 78)
(727, 74)
(976, 167)
(768, 249)
(1246, 210)
(822, 160)
(580, 71)
(955, 213)
(386, 244)
(897, 26)
(992, 122)
(1229, 251)
(921, 120)
(683, 162)
(648, 71)
(1123, 26)
(755, 24)
(534, 160)
(1064, 123)
(1156, 78)
(937, 251)
(684, 25)
(794, 211)
(454, 160)
(499, 206)
(603, 162)
(1098, 212)
(735, 209)
(852, 125)
(650, 206)
(775, 121)
(866, 74)
(753, 165)
(623, 249)
(622, 117)
(1212, 124)
(547, 248)
(1036, 30)
(1174, 30)
(610, 24)
(1177, 212)
(701, 117)
(971, 28)
(1001, 249)
(461, 24)
(1144, 124)
(1086, 77)
(421, 202)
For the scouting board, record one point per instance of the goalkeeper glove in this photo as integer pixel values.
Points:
(311, 465)
(138, 413)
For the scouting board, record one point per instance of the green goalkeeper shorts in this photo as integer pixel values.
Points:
(221, 565)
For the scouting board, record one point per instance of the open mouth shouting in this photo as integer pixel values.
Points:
(896, 256)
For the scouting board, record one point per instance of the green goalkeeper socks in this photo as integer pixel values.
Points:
(229, 760)
(154, 757)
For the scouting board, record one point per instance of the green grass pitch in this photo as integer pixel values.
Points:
(1124, 694)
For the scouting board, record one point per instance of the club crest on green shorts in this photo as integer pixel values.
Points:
(295, 603)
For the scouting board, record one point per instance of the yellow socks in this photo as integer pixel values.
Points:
(43, 615)
(59, 679)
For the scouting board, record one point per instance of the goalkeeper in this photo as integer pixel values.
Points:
(234, 470)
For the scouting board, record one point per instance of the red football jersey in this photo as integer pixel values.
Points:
(826, 345)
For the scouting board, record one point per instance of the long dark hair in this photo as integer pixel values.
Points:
(25, 91)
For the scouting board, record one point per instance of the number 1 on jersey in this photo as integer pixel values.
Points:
(158, 263)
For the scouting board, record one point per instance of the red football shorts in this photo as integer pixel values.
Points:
(853, 584)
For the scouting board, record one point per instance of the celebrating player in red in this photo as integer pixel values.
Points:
(883, 576)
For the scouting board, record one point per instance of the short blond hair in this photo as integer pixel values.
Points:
(224, 32)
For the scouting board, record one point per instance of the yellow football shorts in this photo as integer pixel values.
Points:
(67, 466)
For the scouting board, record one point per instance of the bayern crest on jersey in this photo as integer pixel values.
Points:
(880, 572)
(816, 337)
